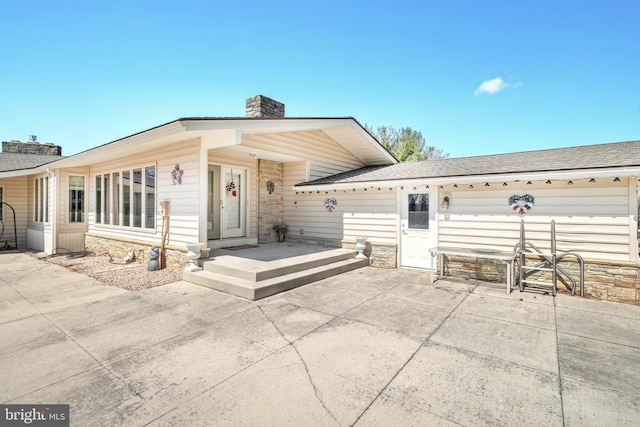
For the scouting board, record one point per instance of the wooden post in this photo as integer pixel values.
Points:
(164, 206)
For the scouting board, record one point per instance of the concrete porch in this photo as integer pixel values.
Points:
(267, 269)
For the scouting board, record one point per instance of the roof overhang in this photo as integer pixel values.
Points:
(228, 132)
(621, 172)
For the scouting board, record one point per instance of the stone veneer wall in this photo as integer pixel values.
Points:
(270, 206)
(604, 279)
(31, 148)
(261, 106)
(380, 255)
(176, 257)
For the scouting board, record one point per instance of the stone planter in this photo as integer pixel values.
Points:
(193, 253)
(361, 245)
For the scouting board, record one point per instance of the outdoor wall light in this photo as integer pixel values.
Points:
(616, 179)
(471, 186)
(445, 203)
(548, 181)
(570, 183)
(486, 184)
(529, 183)
(592, 180)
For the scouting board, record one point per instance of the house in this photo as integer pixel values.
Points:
(17, 161)
(228, 181)
(212, 171)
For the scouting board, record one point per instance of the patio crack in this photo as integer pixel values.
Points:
(317, 392)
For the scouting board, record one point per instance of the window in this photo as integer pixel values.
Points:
(76, 199)
(41, 199)
(419, 211)
(1, 200)
(127, 198)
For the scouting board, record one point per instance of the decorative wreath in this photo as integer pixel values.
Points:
(330, 204)
(231, 187)
(521, 204)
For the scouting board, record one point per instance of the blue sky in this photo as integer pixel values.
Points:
(475, 77)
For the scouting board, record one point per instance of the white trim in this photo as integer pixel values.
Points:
(111, 214)
(524, 176)
(85, 209)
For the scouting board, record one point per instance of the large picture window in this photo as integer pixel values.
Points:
(41, 199)
(76, 199)
(127, 198)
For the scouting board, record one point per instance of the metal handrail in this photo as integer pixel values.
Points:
(521, 248)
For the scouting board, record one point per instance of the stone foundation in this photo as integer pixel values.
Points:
(176, 257)
(380, 255)
(615, 281)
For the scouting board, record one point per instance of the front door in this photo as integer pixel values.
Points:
(418, 228)
(232, 206)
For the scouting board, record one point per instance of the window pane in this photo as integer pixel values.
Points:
(116, 198)
(126, 198)
(76, 199)
(137, 197)
(150, 197)
(98, 199)
(418, 211)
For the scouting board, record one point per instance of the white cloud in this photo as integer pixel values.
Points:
(493, 86)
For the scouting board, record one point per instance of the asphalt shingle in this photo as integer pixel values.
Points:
(16, 161)
(619, 154)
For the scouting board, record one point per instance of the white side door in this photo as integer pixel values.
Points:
(418, 228)
(233, 206)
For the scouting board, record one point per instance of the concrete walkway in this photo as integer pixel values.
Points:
(369, 347)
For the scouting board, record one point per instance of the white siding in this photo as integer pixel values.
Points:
(591, 218)
(370, 213)
(326, 157)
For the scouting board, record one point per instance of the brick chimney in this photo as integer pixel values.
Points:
(31, 147)
(261, 106)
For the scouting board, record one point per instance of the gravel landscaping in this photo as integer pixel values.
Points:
(114, 271)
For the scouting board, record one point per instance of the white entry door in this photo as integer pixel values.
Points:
(233, 202)
(418, 228)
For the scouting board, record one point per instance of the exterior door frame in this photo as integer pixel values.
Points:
(415, 242)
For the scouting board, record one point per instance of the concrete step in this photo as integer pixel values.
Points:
(254, 290)
(256, 271)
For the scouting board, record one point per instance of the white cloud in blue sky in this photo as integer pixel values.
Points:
(496, 85)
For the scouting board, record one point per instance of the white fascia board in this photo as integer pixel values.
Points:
(220, 138)
(22, 172)
(258, 125)
(138, 142)
(556, 175)
(376, 144)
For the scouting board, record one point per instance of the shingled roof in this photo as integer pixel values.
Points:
(619, 154)
(17, 161)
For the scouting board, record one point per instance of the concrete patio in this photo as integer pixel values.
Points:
(367, 347)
